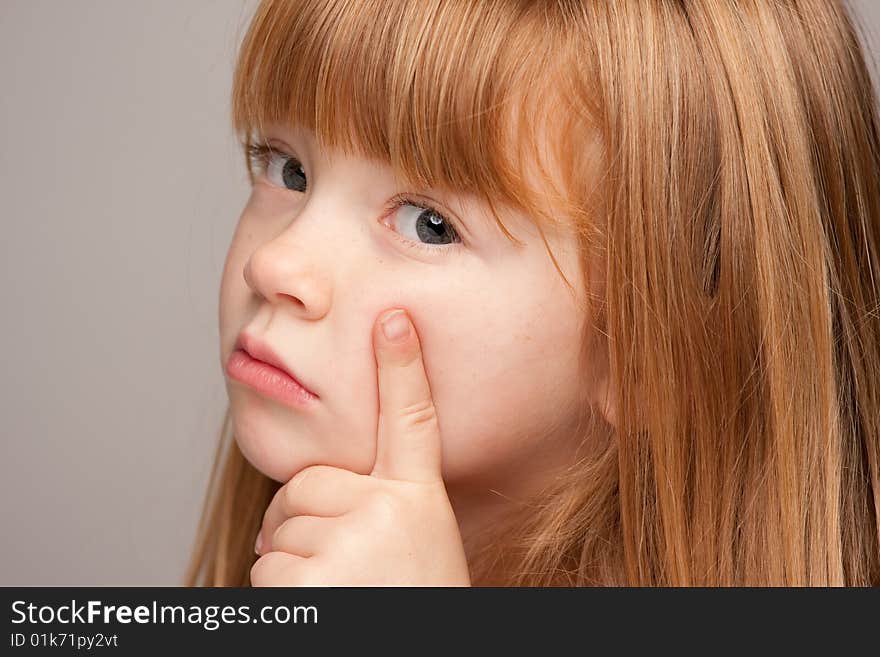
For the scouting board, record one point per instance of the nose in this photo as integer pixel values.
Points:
(285, 273)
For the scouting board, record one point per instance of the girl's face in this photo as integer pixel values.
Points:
(319, 253)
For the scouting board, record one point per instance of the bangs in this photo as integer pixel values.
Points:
(451, 95)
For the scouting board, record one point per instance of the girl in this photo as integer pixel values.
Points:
(639, 245)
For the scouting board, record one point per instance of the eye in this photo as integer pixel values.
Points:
(421, 224)
(280, 169)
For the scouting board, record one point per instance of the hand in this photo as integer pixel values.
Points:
(333, 527)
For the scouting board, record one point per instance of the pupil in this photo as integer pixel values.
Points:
(433, 230)
(293, 176)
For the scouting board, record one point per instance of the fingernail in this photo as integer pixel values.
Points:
(395, 326)
(259, 543)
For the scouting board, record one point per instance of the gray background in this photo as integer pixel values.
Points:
(120, 186)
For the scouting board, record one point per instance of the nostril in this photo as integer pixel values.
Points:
(294, 299)
(247, 274)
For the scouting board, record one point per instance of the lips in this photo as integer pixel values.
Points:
(261, 351)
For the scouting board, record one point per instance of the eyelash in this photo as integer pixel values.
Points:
(259, 154)
(401, 200)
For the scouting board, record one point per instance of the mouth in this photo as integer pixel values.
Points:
(261, 352)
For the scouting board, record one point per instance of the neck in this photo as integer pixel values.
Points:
(487, 509)
(481, 513)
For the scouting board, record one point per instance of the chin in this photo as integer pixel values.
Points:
(279, 450)
(263, 455)
(263, 448)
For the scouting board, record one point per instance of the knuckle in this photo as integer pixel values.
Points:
(292, 489)
(277, 537)
(299, 478)
(277, 569)
(267, 517)
(265, 570)
(308, 473)
(420, 413)
(287, 528)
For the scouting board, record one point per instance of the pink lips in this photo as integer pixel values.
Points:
(254, 363)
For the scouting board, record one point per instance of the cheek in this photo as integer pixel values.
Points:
(500, 376)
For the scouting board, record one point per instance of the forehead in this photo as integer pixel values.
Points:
(462, 95)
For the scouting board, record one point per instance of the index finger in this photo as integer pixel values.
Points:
(408, 435)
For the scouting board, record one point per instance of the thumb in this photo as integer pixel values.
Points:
(408, 435)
